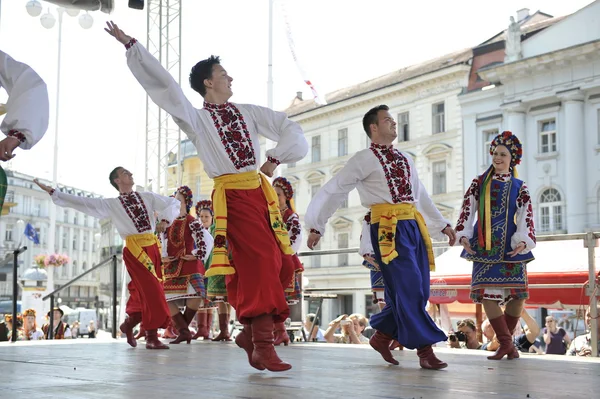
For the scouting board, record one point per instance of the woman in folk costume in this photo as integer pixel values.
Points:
(285, 194)
(186, 245)
(500, 241)
(9, 324)
(30, 330)
(216, 290)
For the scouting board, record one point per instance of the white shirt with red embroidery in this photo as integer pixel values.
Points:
(27, 108)
(294, 231)
(203, 240)
(465, 225)
(381, 175)
(225, 135)
(131, 213)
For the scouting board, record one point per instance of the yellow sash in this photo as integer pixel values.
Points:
(242, 181)
(135, 244)
(387, 215)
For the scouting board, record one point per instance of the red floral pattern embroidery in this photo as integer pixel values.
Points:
(136, 210)
(315, 231)
(198, 235)
(233, 131)
(273, 160)
(130, 44)
(293, 226)
(220, 241)
(524, 201)
(397, 172)
(465, 212)
(18, 135)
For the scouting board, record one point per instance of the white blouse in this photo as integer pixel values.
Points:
(203, 240)
(294, 231)
(381, 175)
(35, 335)
(524, 215)
(131, 213)
(27, 108)
(226, 135)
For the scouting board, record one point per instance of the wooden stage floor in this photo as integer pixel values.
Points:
(85, 368)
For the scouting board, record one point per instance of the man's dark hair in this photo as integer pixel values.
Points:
(201, 71)
(114, 175)
(370, 117)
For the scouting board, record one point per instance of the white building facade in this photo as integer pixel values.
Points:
(77, 235)
(550, 98)
(423, 99)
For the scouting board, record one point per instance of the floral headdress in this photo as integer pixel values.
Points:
(204, 204)
(510, 141)
(187, 194)
(285, 185)
(29, 312)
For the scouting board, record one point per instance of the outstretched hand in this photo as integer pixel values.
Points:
(313, 240)
(449, 231)
(268, 168)
(44, 187)
(117, 33)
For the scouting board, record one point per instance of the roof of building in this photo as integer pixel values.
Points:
(527, 28)
(401, 75)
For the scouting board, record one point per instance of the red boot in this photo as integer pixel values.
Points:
(280, 335)
(244, 341)
(504, 337)
(202, 330)
(381, 343)
(223, 327)
(188, 315)
(511, 323)
(428, 360)
(209, 323)
(184, 332)
(152, 341)
(141, 333)
(128, 325)
(264, 351)
(396, 345)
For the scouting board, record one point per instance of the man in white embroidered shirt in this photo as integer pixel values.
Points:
(387, 182)
(247, 215)
(132, 214)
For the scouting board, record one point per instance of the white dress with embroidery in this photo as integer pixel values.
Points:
(27, 108)
(226, 136)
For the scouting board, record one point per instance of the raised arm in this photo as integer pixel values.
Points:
(168, 208)
(291, 143)
(329, 198)
(95, 207)
(27, 108)
(157, 82)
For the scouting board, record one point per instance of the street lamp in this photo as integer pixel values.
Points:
(48, 21)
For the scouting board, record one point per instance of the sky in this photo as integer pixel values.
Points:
(339, 43)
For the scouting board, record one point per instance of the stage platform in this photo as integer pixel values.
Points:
(85, 368)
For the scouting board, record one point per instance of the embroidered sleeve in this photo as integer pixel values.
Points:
(273, 160)
(468, 210)
(168, 208)
(95, 207)
(433, 218)
(524, 219)
(163, 89)
(294, 231)
(329, 198)
(203, 240)
(291, 143)
(27, 108)
(366, 246)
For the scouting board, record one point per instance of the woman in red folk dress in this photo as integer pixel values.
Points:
(293, 293)
(186, 245)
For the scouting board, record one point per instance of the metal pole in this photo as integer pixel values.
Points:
(16, 254)
(114, 298)
(270, 77)
(51, 321)
(590, 243)
(179, 160)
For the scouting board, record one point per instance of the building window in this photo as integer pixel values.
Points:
(75, 241)
(85, 219)
(66, 216)
(551, 212)
(547, 136)
(403, 127)
(345, 202)
(438, 118)
(85, 243)
(439, 177)
(8, 235)
(343, 243)
(488, 136)
(65, 240)
(314, 188)
(598, 122)
(316, 149)
(342, 142)
(10, 196)
(75, 218)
